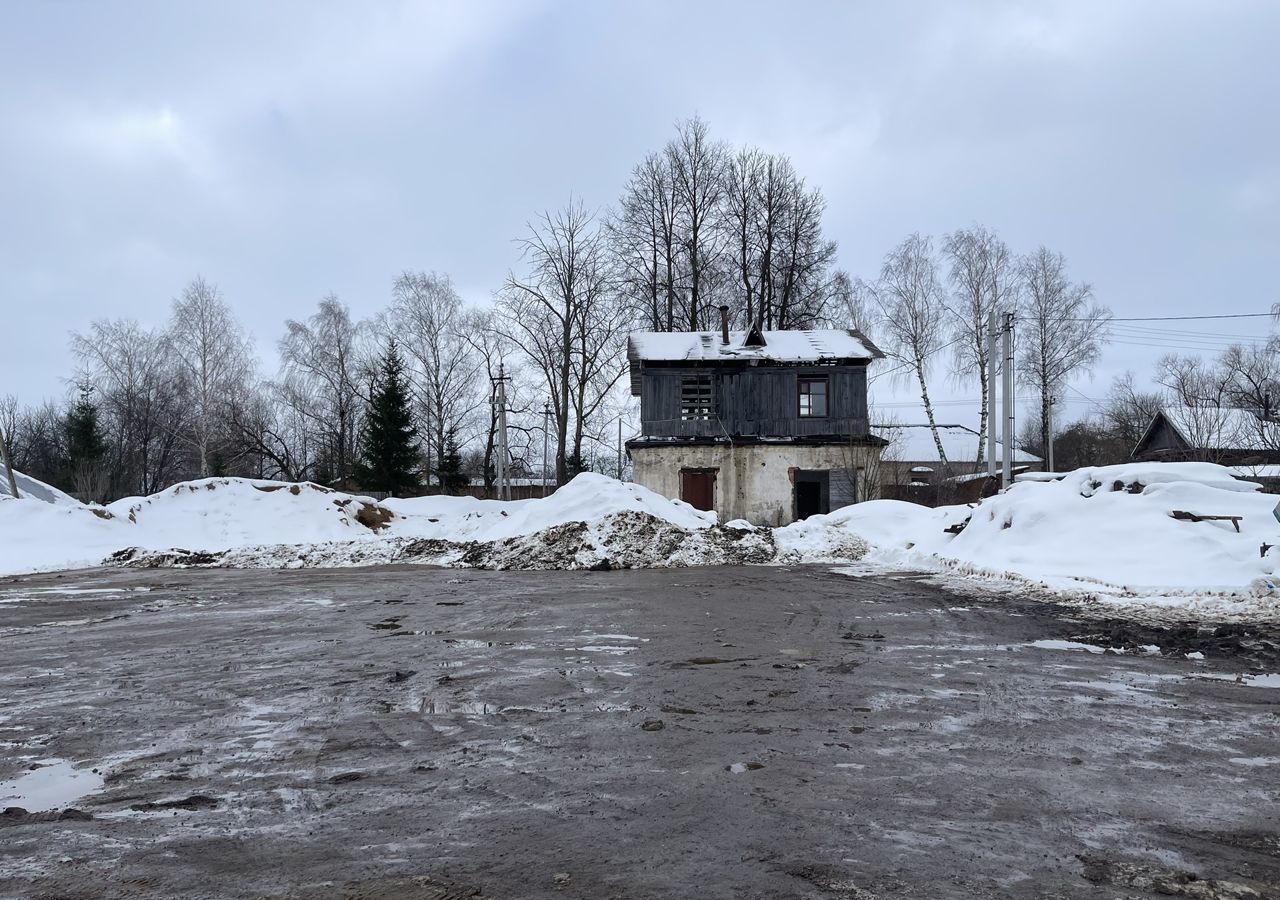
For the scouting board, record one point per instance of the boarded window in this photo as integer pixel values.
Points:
(844, 487)
(695, 397)
(813, 397)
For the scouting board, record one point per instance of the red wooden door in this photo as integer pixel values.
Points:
(698, 488)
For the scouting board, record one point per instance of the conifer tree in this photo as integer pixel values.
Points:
(449, 472)
(86, 448)
(389, 452)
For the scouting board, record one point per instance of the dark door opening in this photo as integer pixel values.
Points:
(812, 494)
(698, 488)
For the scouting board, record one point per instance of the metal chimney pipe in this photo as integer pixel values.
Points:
(724, 323)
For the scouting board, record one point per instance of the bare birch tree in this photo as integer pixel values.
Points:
(1060, 330)
(697, 166)
(558, 315)
(984, 280)
(323, 370)
(213, 362)
(430, 324)
(645, 244)
(743, 175)
(908, 299)
(131, 370)
(1128, 411)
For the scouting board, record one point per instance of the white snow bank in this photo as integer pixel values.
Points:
(587, 498)
(207, 515)
(213, 515)
(31, 489)
(1105, 529)
(1099, 533)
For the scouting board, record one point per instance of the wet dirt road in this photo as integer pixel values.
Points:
(403, 732)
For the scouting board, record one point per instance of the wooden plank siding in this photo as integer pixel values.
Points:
(760, 402)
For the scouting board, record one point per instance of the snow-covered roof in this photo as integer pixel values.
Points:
(914, 443)
(1262, 471)
(810, 345)
(1218, 428)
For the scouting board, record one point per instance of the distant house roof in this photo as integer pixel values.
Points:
(1214, 428)
(915, 444)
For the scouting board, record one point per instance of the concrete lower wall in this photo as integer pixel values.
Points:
(756, 482)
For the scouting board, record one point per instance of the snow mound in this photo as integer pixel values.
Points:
(587, 498)
(207, 516)
(592, 522)
(1108, 530)
(31, 489)
(220, 513)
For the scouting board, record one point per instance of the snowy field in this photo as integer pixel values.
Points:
(1103, 534)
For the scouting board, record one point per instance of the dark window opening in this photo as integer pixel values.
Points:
(695, 397)
(813, 398)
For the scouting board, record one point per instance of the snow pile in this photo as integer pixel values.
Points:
(587, 498)
(1104, 530)
(594, 522)
(31, 489)
(220, 513)
(210, 515)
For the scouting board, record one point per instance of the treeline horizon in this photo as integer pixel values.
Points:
(698, 224)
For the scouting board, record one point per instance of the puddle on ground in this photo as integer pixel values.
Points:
(1256, 760)
(444, 706)
(1067, 645)
(467, 643)
(1270, 680)
(54, 785)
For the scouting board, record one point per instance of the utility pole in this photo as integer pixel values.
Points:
(1006, 477)
(546, 438)
(504, 479)
(1052, 400)
(619, 446)
(992, 393)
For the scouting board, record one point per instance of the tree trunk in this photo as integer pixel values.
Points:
(8, 467)
(928, 411)
(982, 417)
(1045, 437)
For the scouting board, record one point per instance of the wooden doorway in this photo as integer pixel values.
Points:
(812, 493)
(698, 488)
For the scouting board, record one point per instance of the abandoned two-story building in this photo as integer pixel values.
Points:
(767, 426)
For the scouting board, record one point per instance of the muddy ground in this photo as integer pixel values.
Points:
(403, 732)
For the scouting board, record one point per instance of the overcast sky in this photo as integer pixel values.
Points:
(285, 150)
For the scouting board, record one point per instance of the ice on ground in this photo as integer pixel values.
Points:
(54, 785)
(1068, 645)
(1269, 680)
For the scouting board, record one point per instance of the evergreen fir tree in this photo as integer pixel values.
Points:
(388, 442)
(86, 448)
(450, 474)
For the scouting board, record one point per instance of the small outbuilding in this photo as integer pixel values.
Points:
(1229, 436)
